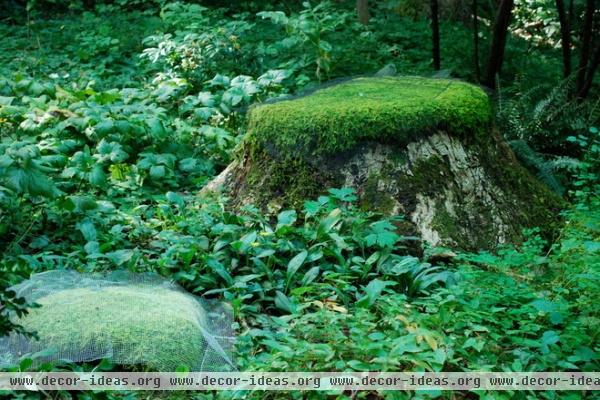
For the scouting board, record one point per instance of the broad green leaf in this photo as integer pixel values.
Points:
(175, 198)
(295, 264)
(97, 176)
(343, 194)
(88, 230)
(158, 171)
(285, 303)
(310, 276)
(548, 338)
(79, 203)
(6, 101)
(156, 128)
(327, 224)
(372, 292)
(286, 218)
(120, 257)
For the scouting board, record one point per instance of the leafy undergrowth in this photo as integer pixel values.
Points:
(107, 134)
(328, 288)
(524, 309)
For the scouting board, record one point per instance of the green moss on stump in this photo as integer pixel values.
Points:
(387, 110)
(158, 327)
(372, 199)
(288, 181)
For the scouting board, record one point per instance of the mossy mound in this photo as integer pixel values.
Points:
(387, 110)
(158, 327)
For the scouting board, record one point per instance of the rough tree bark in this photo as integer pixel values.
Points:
(500, 31)
(586, 40)
(435, 30)
(587, 84)
(476, 41)
(362, 8)
(571, 12)
(565, 37)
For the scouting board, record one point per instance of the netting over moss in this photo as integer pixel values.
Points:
(390, 109)
(129, 319)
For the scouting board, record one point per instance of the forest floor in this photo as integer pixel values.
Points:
(110, 126)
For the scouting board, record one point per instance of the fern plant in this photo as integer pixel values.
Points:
(544, 118)
(538, 122)
(551, 170)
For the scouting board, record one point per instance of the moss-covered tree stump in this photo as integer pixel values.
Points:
(423, 148)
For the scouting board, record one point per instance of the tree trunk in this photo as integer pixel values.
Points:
(586, 39)
(590, 74)
(499, 34)
(565, 37)
(435, 30)
(571, 12)
(362, 8)
(476, 41)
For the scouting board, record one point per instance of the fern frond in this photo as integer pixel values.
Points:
(564, 163)
(533, 161)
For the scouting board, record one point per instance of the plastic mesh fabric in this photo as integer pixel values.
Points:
(127, 318)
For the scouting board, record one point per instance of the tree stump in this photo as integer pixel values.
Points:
(423, 148)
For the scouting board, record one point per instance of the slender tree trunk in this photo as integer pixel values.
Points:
(586, 39)
(362, 8)
(435, 30)
(565, 37)
(476, 41)
(587, 84)
(499, 33)
(571, 12)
